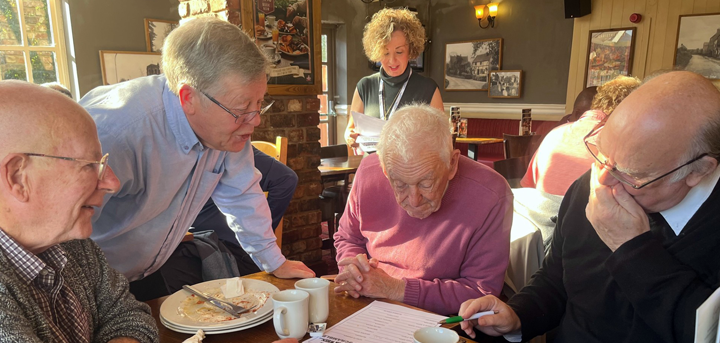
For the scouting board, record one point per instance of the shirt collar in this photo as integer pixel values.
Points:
(679, 215)
(186, 137)
(27, 265)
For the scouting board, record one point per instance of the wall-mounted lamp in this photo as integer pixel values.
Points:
(489, 11)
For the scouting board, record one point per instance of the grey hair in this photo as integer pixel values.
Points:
(706, 141)
(414, 130)
(201, 52)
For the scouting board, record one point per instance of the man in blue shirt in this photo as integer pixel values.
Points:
(179, 139)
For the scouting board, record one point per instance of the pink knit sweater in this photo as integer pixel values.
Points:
(458, 253)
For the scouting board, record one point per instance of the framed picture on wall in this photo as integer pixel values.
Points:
(505, 84)
(698, 45)
(286, 30)
(467, 64)
(156, 31)
(119, 66)
(610, 53)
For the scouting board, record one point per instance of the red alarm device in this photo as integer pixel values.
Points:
(635, 18)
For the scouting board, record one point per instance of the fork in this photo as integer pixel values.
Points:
(228, 307)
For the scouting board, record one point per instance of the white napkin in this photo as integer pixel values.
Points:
(233, 288)
(197, 338)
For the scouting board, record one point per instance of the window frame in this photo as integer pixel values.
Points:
(329, 30)
(57, 28)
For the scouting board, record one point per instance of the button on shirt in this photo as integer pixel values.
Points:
(43, 275)
(166, 177)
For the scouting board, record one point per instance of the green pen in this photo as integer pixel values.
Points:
(458, 319)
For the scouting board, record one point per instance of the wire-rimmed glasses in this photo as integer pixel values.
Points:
(590, 141)
(247, 116)
(102, 163)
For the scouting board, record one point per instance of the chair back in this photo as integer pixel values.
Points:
(518, 146)
(339, 150)
(512, 169)
(279, 152)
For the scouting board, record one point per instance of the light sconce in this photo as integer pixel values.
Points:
(489, 11)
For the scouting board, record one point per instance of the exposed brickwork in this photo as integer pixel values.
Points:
(297, 118)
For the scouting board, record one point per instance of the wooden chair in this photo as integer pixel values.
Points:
(334, 194)
(518, 146)
(279, 151)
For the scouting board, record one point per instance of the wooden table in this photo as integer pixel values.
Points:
(339, 165)
(340, 308)
(473, 143)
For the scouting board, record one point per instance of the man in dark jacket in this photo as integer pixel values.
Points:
(634, 253)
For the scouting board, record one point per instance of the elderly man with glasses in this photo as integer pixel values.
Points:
(635, 251)
(55, 284)
(177, 140)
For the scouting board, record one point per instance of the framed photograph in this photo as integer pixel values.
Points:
(119, 66)
(156, 31)
(505, 84)
(467, 64)
(288, 32)
(698, 45)
(610, 53)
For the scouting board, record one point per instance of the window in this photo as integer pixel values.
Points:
(328, 120)
(31, 41)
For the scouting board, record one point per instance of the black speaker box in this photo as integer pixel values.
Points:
(576, 8)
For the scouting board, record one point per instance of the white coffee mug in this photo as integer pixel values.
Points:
(319, 299)
(269, 51)
(270, 20)
(291, 313)
(435, 335)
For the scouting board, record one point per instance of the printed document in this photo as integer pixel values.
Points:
(379, 322)
(369, 129)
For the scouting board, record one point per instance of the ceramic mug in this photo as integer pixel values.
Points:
(290, 313)
(270, 20)
(435, 335)
(319, 302)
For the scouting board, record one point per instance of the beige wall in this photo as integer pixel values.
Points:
(655, 40)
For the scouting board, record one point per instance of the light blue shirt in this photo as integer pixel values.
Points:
(166, 176)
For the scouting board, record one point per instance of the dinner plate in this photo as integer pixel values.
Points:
(169, 310)
(208, 331)
(265, 35)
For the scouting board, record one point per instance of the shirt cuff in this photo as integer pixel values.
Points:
(412, 292)
(515, 336)
(269, 259)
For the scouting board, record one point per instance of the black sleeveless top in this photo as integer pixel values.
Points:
(419, 89)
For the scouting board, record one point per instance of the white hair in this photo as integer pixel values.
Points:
(414, 130)
(202, 51)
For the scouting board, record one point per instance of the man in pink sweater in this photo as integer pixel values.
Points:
(423, 225)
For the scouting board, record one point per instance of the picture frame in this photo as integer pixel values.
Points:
(697, 43)
(156, 30)
(119, 66)
(296, 66)
(467, 64)
(505, 84)
(609, 54)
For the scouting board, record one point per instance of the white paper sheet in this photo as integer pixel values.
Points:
(369, 129)
(706, 320)
(379, 322)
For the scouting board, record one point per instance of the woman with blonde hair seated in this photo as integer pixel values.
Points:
(393, 37)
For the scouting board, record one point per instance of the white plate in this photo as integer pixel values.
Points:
(262, 320)
(169, 308)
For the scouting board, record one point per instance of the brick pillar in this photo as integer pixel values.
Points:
(297, 118)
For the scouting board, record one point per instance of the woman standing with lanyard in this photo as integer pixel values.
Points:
(393, 37)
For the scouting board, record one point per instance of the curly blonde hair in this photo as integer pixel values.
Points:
(378, 31)
(610, 94)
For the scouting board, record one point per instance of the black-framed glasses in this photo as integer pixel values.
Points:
(590, 141)
(102, 163)
(247, 116)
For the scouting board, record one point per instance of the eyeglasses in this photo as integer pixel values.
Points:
(590, 141)
(246, 117)
(102, 163)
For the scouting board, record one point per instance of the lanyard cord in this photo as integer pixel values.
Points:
(396, 101)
